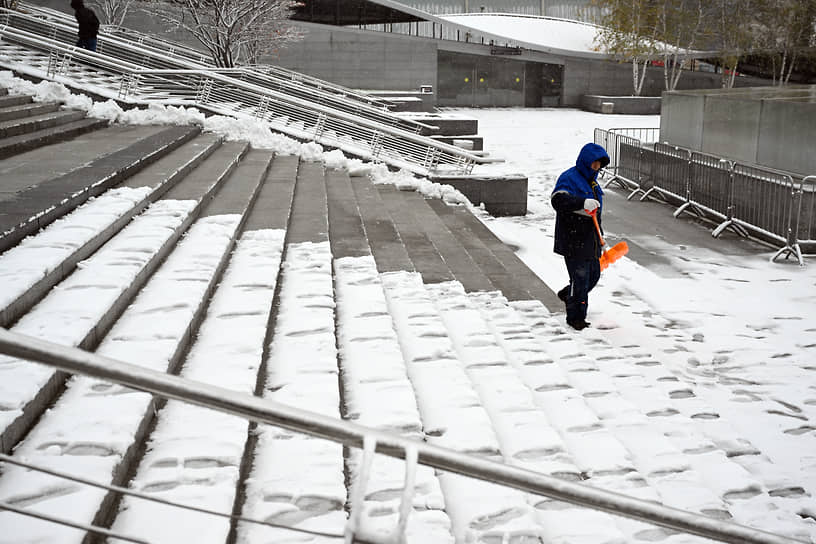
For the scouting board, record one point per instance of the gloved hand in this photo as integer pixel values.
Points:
(590, 205)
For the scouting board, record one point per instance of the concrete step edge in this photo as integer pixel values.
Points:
(105, 172)
(27, 110)
(18, 307)
(32, 140)
(47, 395)
(15, 127)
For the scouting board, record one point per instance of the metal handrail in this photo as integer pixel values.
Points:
(183, 51)
(161, 55)
(229, 96)
(149, 497)
(93, 529)
(266, 411)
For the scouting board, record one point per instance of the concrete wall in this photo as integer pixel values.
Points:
(362, 60)
(766, 126)
(681, 119)
(731, 128)
(632, 105)
(787, 136)
(600, 77)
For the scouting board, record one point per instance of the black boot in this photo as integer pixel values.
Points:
(579, 324)
(562, 294)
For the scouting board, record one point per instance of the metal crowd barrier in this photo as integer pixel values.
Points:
(647, 135)
(709, 186)
(805, 230)
(265, 411)
(743, 198)
(670, 174)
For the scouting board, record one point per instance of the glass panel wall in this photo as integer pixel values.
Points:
(496, 81)
(568, 9)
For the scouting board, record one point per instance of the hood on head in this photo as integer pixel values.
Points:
(589, 154)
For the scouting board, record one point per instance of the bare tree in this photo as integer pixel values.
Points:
(782, 28)
(680, 26)
(729, 29)
(629, 32)
(112, 12)
(233, 31)
(9, 4)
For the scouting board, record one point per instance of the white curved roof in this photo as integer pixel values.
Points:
(547, 34)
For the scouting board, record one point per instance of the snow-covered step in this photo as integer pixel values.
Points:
(526, 431)
(80, 310)
(107, 422)
(692, 457)
(40, 261)
(453, 415)
(194, 455)
(576, 399)
(297, 480)
(378, 394)
(80, 436)
(35, 206)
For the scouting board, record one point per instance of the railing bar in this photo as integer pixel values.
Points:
(68, 523)
(266, 411)
(125, 491)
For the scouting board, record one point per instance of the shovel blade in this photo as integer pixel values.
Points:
(613, 254)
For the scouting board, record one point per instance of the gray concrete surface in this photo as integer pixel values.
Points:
(653, 234)
(768, 126)
(28, 169)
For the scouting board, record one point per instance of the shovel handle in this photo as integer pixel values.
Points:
(597, 226)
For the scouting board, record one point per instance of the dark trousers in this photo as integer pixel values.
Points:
(87, 43)
(584, 275)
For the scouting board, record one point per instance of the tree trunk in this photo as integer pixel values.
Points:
(790, 67)
(639, 75)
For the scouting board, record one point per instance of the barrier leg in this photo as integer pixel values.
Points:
(689, 207)
(789, 250)
(729, 224)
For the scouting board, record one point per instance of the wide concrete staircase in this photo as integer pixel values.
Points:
(176, 251)
(26, 125)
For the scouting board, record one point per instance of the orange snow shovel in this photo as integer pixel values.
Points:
(609, 255)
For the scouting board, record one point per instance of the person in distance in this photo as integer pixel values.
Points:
(576, 196)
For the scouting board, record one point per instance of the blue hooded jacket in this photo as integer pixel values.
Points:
(575, 235)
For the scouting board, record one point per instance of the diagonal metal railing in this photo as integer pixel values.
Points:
(226, 95)
(261, 410)
(182, 51)
(160, 54)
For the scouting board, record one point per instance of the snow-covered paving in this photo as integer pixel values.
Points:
(725, 341)
(194, 455)
(693, 389)
(36, 256)
(73, 309)
(92, 425)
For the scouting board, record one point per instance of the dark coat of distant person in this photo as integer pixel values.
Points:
(88, 25)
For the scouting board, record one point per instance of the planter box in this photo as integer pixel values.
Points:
(630, 105)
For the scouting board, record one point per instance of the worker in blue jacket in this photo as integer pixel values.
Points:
(576, 195)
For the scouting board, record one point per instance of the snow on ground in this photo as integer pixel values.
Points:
(737, 331)
(695, 389)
